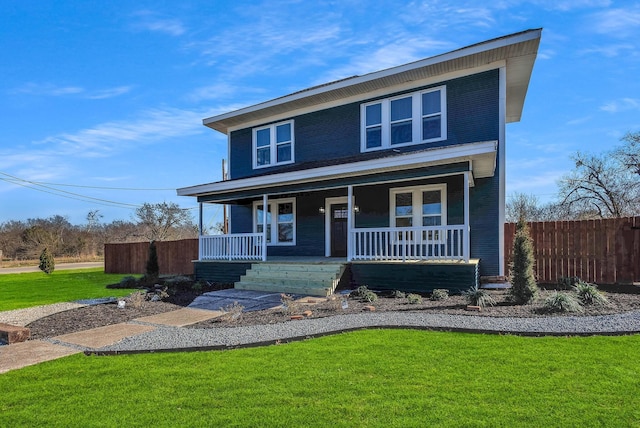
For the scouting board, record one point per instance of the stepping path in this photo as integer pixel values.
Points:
(19, 355)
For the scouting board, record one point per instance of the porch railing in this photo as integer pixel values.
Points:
(238, 246)
(410, 243)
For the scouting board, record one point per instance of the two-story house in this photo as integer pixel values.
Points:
(395, 178)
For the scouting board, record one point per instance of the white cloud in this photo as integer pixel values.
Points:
(623, 104)
(618, 22)
(570, 5)
(611, 51)
(109, 93)
(150, 21)
(47, 89)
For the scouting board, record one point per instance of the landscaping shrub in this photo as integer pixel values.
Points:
(478, 297)
(152, 268)
(524, 289)
(414, 299)
(440, 294)
(47, 263)
(589, 294)
(397, 294)
(562, 302)
(364, 294)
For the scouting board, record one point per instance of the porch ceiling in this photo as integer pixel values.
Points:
(479, 158)
(516, 52)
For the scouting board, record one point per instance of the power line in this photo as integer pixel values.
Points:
(52, 190)
(89, 187)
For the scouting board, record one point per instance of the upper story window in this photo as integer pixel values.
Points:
(415, 118)
(273, 144)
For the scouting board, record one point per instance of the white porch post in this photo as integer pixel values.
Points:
(350, 222)
(265, 208)
(200, 227)
(467, 227)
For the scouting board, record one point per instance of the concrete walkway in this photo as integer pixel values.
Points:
(18, 355)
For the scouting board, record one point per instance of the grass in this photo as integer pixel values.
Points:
(386, 378)
(23, 290)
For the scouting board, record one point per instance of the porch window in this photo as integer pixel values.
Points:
(273, 145)
(418, 206)
(280, 227)
(415, 118)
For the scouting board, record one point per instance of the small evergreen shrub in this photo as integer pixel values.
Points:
(524, 288)
(397, 294)
(414, 299)
(369, 296)
(440, 294)
(478, 297)
(364, 294)
(152, 268)
(589, 294)
(47, 263)
(561, 302)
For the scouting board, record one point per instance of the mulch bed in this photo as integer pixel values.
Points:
(107, 314)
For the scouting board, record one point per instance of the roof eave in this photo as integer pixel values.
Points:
(518, 50)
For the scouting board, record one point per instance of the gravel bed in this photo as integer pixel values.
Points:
(169, 338)
(22, 317)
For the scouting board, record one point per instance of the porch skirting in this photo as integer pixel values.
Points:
(416, 276)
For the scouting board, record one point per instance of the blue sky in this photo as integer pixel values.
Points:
(101, 103)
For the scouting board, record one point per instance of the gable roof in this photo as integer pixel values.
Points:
(517, 52)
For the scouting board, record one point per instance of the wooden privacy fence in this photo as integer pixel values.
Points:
(603, 251)
(174, 257)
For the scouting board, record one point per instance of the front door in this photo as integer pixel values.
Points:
(339, 230)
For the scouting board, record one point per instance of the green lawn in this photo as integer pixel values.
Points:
(24, 290)
(382, 378)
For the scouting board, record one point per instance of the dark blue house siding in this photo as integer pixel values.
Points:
(334, 133)
(483, 201)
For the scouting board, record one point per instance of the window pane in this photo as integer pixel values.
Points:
(401, 133)
(404, 222)
(263, 156)
(260, 215)
(374, 114)
(263, 137)
(431, 103)
(431, 203)
(285, 232)
(284, 152)
(401, 109)
(285, 212)
(431, 221)
(404, 204)
(431, 127)
(283, 133)
(374, 137)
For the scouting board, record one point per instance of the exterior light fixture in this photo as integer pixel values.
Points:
(321, 210)
(356, 209)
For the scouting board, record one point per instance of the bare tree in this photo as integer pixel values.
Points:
(629, 153)
(600, 186)
(521, 206)
(163, 221)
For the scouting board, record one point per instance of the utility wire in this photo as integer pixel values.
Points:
(52, 190)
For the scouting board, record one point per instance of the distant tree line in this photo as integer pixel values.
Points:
(602, 185)
(25, 240)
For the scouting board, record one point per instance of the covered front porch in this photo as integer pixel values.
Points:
(394, 210)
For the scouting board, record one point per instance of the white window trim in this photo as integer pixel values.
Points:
(416, 111)
(417, 202)
(273, 205)
(273, 146)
